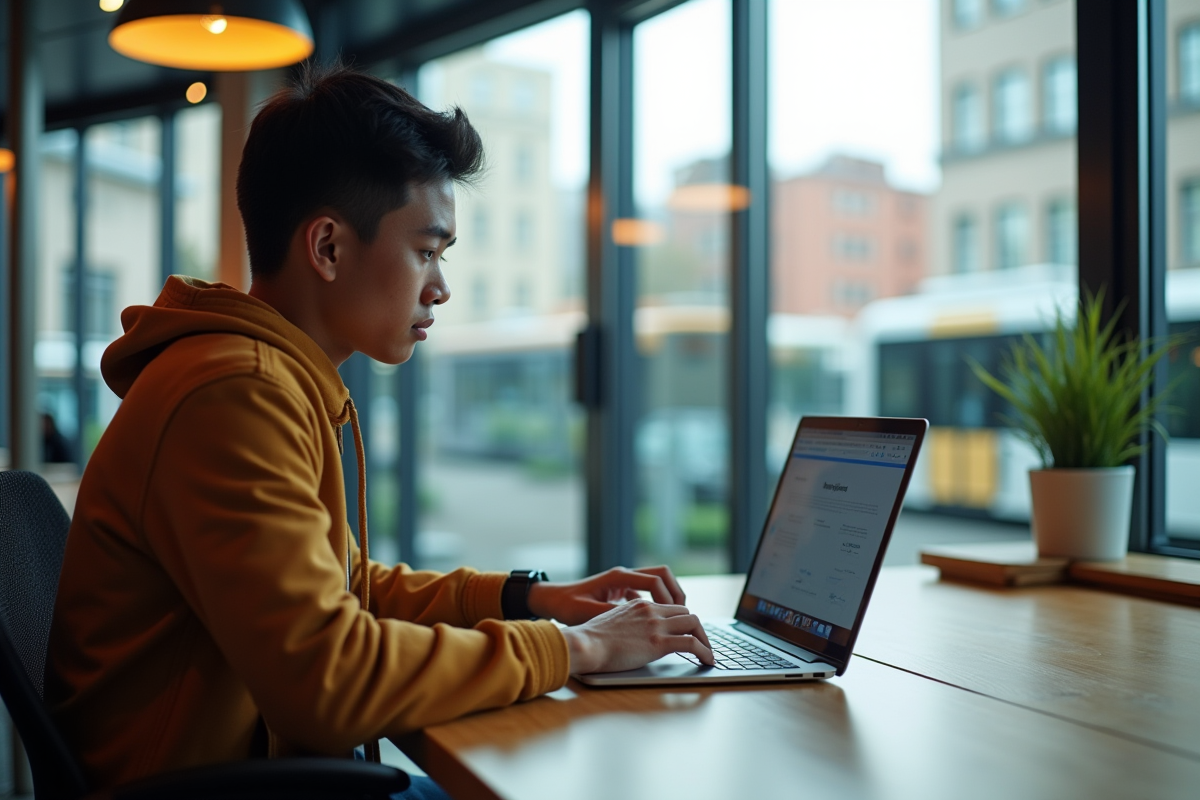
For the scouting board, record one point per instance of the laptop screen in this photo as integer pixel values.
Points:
(826, 530)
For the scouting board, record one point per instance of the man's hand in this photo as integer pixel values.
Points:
(577, 602)
(634, 634)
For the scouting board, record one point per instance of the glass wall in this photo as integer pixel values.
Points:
(54, 352)
(121, 244)
(918, 148)
(500, 447)
(682, 193)
(197, 190)
(1183, 267)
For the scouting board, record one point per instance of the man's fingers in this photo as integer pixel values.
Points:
(668, 578)
(690, 644)
(645, 582)
(688, 624)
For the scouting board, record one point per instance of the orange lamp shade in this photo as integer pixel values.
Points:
(233, 36)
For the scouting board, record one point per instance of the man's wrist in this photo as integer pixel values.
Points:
(514, 597)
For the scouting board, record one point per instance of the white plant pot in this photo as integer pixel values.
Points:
(1082, 513)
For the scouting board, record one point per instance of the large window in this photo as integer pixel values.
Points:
(1183, 270)
(1012, 107)
(122, 247)
(968, 133)
(682, 188)
(1012, 235)
(1059, 105)
(500, 445)
(966, 244)
(197, 190)
(879, 314)
(1062, 232)
(1189, 62)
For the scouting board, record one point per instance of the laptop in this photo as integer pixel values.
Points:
(816, 562)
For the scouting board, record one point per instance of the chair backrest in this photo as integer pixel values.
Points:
(33, 536)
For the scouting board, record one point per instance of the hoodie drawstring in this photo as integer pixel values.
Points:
(371, 748)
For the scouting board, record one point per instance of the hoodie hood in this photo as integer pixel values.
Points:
(188, 306)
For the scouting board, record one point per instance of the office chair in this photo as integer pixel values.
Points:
(33, 535)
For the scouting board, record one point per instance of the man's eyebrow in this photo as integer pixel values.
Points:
(440, 232)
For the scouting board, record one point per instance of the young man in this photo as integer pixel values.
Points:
(213, 605)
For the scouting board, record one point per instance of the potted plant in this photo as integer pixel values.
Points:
(1077, 399)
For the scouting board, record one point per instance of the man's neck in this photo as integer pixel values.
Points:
(297, 305)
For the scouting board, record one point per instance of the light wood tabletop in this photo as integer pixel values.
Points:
(1046, 711)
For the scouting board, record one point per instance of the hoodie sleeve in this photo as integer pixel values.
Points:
(463, 598)
(239, 527)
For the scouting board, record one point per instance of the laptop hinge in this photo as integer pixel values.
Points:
(783, 644)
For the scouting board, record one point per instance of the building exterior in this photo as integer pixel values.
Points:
(505, 262)
(1008, 93)
(843, 236)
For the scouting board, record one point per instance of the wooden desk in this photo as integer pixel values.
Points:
(1049, 712)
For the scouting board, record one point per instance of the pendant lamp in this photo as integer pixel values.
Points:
(227, 36)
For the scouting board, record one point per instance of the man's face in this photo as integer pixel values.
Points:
(386, 290)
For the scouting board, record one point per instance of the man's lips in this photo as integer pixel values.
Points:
(419, 329)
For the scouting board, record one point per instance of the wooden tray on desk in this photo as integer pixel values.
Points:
(996, 563)
(1175, 580)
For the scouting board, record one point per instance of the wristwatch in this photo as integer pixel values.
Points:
(514, 597)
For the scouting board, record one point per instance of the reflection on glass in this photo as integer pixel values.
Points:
(681, 167)
(500, 436)
(197, 190)
(54, 353)
(1183, 263)
(122, 268)
(930, 110)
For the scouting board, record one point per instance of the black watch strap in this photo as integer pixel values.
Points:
(514, 597)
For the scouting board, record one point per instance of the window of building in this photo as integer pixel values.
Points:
(482, 89)
(1012, 108)
(480, 221)
(967, 14)
(1059, 102)
(524, 96)
(1189, 63)
(522, 294)
(1012, 235)
(479, 294)
(499, 434)
(966, 244)
(1007, 8)
(853, 204)
(852, 247)
(523, 164)
(1062, 232)
(523, 231)
(967, 129)
(907, 251)
(1189, 222)
(681, 139)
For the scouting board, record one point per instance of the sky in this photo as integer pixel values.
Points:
(848, 76)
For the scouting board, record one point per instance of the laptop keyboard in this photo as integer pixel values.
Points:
(731, 652)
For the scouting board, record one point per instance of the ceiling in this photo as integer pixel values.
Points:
(87, 80)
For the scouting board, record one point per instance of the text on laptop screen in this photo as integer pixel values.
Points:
(827, 525)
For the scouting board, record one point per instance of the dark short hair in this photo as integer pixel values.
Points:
(340, 139)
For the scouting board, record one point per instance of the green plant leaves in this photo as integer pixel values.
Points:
(1077, 397)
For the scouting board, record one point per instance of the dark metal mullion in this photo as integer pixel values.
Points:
(1152, 59)
(748, 283)
(1121, 157)
(610, 460)
(25, 121)
(79, 296)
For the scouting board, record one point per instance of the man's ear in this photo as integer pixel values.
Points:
(323, 246)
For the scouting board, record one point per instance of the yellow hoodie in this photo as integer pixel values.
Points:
(210, 579)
